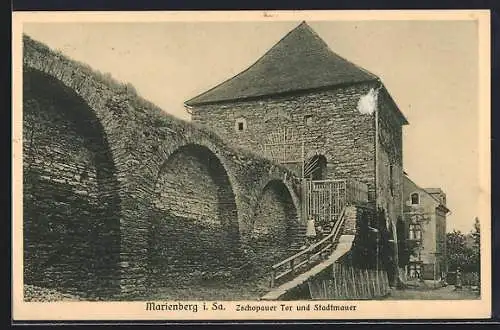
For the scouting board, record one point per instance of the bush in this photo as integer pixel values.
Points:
(470, 279)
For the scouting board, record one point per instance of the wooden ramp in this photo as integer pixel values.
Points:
(343, 246)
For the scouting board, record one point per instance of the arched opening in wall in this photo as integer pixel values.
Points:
(70, 192)
(195, 229)
(276, 227)
(315, 168)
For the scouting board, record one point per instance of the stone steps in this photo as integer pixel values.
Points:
(297, 237)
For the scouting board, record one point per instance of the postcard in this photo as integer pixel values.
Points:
(250, 165)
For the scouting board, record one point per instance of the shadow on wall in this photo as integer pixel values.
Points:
(70, 192)
(194, 234)
(276, 228)
(372, 246)
(72, 206)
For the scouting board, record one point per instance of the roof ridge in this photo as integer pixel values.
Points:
(251, 82)
(250, 66)
(316, 34)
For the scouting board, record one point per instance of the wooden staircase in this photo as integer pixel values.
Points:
(307, 258)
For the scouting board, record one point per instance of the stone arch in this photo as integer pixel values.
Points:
(315, 167)
(314, 151)
(72, 205)
(288, 179)
(276, 226)
(195, 228)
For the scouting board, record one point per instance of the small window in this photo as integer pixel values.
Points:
(415, 232)
(240, 125)
(414, 270)
(308, 120)
(415, 199)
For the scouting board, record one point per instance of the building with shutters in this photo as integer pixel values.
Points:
(425, 213)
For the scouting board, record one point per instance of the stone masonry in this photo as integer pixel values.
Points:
(106, 173)
(337, 130)
(312, 110)
(119, 196)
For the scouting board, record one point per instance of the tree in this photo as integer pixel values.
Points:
(457, 249)
(476, 232)
(460, 253)
(476, 246)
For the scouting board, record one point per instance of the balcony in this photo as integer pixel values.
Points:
(325, 199)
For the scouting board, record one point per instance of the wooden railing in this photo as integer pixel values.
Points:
(294, 264)
(323, 200)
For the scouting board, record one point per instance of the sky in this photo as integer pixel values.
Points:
(429, 67)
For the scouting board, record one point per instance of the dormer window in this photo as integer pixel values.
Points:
(240, 125)
(415, 199)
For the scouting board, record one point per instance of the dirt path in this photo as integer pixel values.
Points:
(38, 294)
(251, 290)
(444, 293)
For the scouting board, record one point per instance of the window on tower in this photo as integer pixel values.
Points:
(240, 125)
(308, 120)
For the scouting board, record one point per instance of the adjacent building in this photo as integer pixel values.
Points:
(425, 214)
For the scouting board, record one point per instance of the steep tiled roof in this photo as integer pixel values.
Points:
(299, 61)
